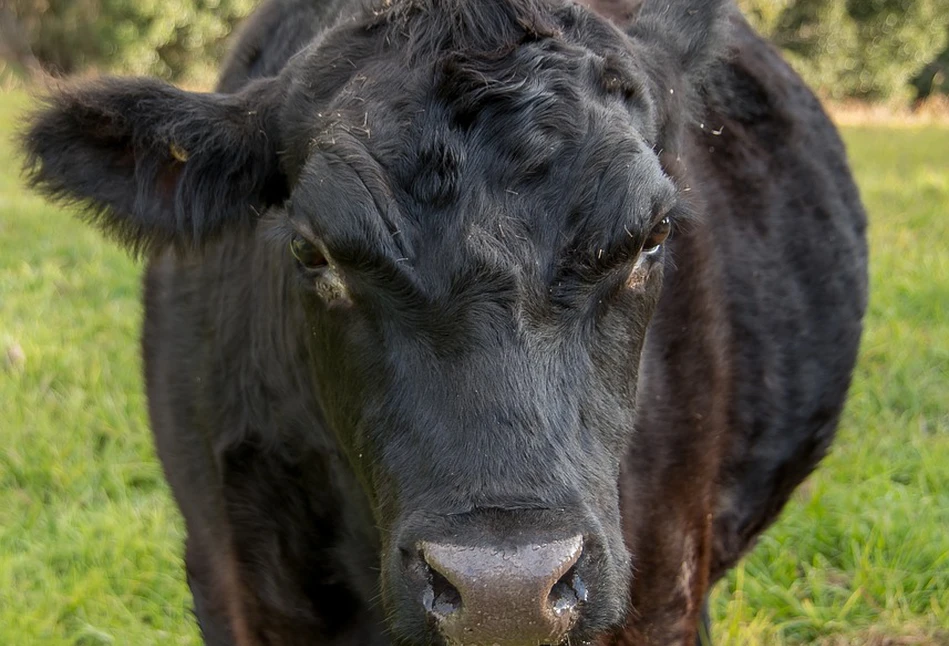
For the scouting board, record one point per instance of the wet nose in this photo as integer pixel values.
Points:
(528, 595)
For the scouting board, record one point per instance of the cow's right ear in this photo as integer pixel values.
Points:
(154, 165)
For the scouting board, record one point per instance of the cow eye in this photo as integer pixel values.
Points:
(657, 236)
(307, 254)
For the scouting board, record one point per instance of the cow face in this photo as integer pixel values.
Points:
(471, 202)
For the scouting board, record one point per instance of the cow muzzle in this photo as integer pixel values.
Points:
(523, 595)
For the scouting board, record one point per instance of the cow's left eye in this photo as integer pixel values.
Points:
(307, 254)
(657, 236)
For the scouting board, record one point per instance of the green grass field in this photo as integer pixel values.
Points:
(90, 542)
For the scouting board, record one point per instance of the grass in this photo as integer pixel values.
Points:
(90, 542)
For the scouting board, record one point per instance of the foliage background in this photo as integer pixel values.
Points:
(860, 49)
(178, 40)
(877, 50)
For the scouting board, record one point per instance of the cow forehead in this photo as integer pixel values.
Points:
(406, 75)
(482, 158)
(493, 162)
(508, 192)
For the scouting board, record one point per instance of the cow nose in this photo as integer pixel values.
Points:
(528, 595)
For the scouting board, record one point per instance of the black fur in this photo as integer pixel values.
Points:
(155, 165)
(488, 355)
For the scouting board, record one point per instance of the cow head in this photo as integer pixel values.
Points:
(470, 198)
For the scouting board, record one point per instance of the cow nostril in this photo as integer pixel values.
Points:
(445, 598)
(567, 593)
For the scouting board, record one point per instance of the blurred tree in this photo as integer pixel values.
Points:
(822, 42)
(764, 14)
(174, 39)
(866, 49)
(897, 38)
(14, 47)
(934, 79)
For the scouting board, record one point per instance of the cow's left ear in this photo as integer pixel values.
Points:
(677, 42)
(154, 165)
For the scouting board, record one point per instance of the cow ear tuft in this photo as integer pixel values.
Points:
(678, 42)
(153, 165)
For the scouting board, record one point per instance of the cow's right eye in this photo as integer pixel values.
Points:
(657, 236)
(307, 254)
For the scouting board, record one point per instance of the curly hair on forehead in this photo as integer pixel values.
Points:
(428, 27)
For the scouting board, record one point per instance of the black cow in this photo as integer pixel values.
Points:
(476, 322)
